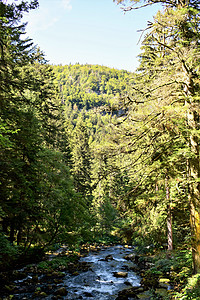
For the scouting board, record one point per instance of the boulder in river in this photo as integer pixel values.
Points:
(62, 291)
(120, 274)
(108, 257)
(132, 257)
(87, 294)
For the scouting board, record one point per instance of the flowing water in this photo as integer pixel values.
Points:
(99, 281)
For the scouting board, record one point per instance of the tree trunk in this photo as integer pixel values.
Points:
(169, 229)
(19, 236)
(195, 229)
(193, 175)
(194, 198)
(5, 224)
(169, 217)
(12, 231)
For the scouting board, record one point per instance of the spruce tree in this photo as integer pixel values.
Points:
(81, 160)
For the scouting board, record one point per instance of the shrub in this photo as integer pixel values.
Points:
(8, 252)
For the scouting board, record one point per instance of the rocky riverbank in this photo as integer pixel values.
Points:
(151, 285)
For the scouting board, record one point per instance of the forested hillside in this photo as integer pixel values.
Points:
(90, 154)
(89, 86)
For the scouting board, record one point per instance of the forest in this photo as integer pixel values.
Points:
(92, 155)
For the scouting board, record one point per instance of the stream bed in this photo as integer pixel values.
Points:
(102, 281)
(109, 273)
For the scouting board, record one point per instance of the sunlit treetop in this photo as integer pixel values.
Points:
(135, 4)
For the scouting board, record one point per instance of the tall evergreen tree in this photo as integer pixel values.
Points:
(16, 114)
(81, 160)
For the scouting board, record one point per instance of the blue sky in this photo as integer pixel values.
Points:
(88, 31)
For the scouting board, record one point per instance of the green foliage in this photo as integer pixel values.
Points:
(89, 86)
(57, 262)
(153, 141)
(106, 216)
(176, 266)
(38, 199)
(8, 252)
(191, 291)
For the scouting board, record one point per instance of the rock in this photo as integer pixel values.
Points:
(144, 262)
(32, 269)
(58, 281)
(133, 257)
(149, 265)
(56, 274)
(147, 295)
(49, 288)
(61, 291)
(62, 268)
(80, 266)
(164, 283)
(39, 293)
(87, 294)
(125, 267)
(75, 273)
(42, 294)
(129, 293)
(120, 274)
(108, 257)
(25, 289)
(135, 269)
(127, 283)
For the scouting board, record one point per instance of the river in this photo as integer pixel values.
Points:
(109, 273)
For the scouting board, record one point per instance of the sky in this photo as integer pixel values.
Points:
(88, 31)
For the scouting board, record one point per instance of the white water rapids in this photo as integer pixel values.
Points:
(100, 282)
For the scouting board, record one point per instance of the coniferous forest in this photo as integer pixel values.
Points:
(92, 156)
